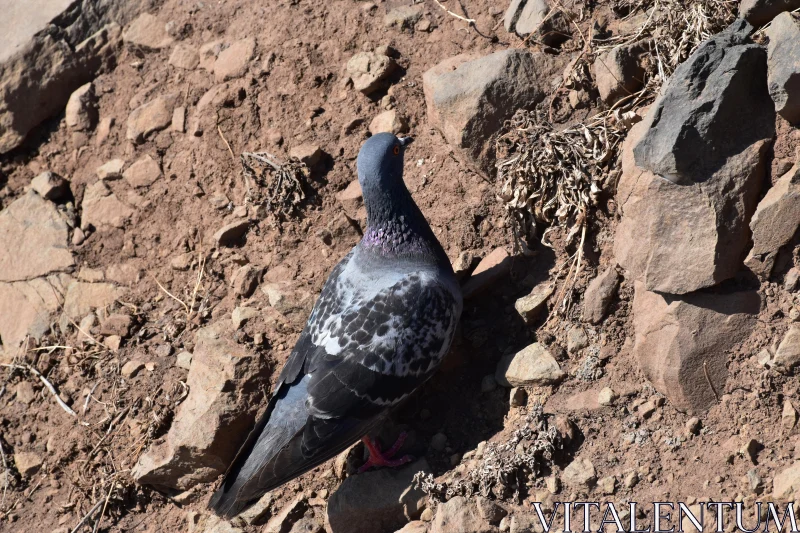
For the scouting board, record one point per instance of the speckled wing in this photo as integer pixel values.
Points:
(361, 353)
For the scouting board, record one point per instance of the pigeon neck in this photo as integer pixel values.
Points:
(396, 226)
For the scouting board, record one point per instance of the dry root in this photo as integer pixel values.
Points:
(280, 186)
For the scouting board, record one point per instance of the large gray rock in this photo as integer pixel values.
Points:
(469, 97)
(49, 48)
(224, 381)
(379, 500)
(775, 222)
(784, 65)
(542, 18)
(759, 12)
(680, 238)
(681, 341)
(533, 365)
(715, 106)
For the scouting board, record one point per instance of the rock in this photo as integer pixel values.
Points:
(286, 300)
(184, 57)
(786, 485)
(417, 526)
(439, 442)
(369, 70)
(102, 208)
(143, 172)
(117, 324)
(618, 72)
(113, 342)
(548, 22)
(26, 307)
(760, 12)
(307, 524)
(531, 366)
(290, 513)
(183, 360)
(131, 368)
(389, 121)
(681, 238)
(310, 154)
(245, 280)
(607, 485)
(519, 397)
(110, 170)
(784, 66)
(787, 356)
(33, 229)
(792, 279)
(775, 222)
(788, 416)
(750, 449)
(553, 484)
(179, 119)
(693, 425)
(28, 463)
(48, 51)
(489, 271)
(148, 118)
(680, 342)
(599, 294)
(232, 233)
(378, 500)
(631, 479)
(351, 198)
(719, 96)
(208, 54)
(50, 186)
(81, 111)
(233, 61)
(606, 396)
(469, 97)
(24, 392)
(240, 315)
(259, 512)
(754, 482)
(148, 33)
(489, 510)
(403, 17)
(577, 339)
(458, 515)
(224, 382)
(103, 130)
(210, 524)
(530, 307)
(580, 473)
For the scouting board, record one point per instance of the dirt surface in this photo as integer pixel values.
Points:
(294, 94)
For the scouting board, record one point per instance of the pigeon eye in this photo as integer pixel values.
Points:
(396, 150)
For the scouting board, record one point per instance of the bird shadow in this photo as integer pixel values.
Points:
(456, 402)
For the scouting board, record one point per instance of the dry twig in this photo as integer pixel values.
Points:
(46, 383)
(471, 22)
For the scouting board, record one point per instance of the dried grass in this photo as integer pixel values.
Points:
(280, 185)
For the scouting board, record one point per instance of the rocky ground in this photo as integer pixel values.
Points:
(616, 184)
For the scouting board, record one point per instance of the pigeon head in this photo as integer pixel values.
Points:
(380, 161)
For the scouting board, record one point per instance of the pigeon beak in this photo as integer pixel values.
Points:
(405, 141)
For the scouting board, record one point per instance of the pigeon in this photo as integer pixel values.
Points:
(384, 320)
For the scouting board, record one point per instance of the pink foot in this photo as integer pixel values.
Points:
(377, 458)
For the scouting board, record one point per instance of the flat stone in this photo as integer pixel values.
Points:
(787, 356)
(389, 121)
(259, 512)
(116, 324)
(28, 463)
(788, 416)
(549, 23)
(240, 315)
(403, 17)
(580, 473)
(82, 298)
(606, 396)
(530, 307)
(50, 186)
(489, 271)
(24, 392)
(224, 381)
(490, 510)
(468, 97)
(786, 485)
(111, 170)
(232, 62)
(81, 111)
(147, 32)
(35, 237)
(533, 365)
(179, 119)
(245, 280)
(310, 154)
(351, 198)
(369, 70)
(618, 73)
(577, 339)
(599, 294)
(184, 57)
(148, 118)
(783, 60)
(607, 485)
(458, 515)
(417, 526)
(102, 208)
(143, 172)
(282, 522)
(378, 500)
(131, 368)
(232, 233)
(27, 308)
(183, 360)
(684, 361)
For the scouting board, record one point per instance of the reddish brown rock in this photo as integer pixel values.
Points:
(681, 342)
(143, 172)
(102, 208)
(458, 515)
(147, 32)
(492, 268)
(148, 118)
(599, 294)
(232, 62)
